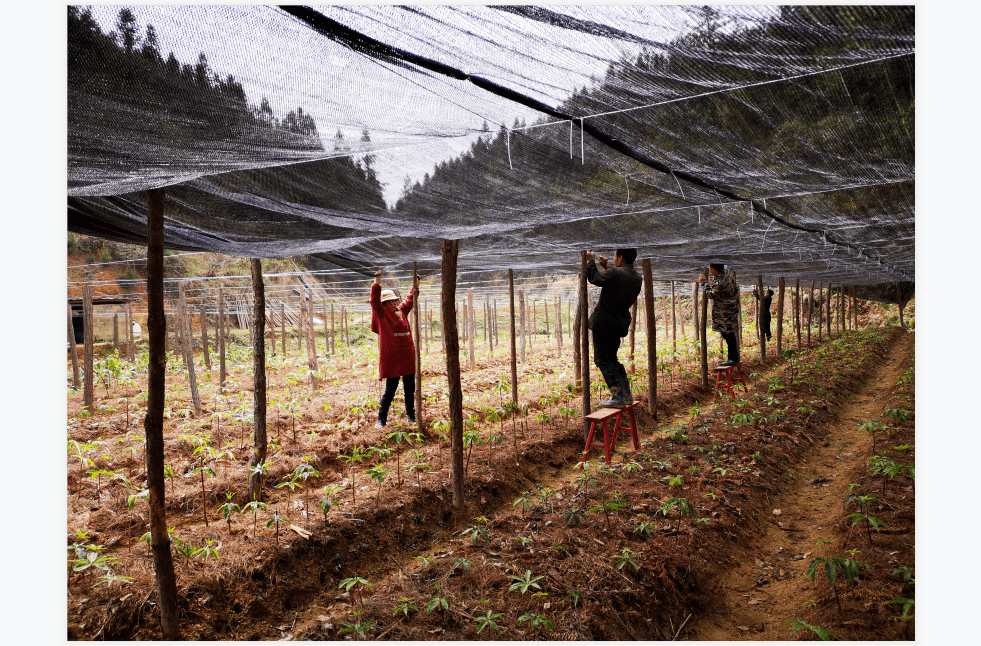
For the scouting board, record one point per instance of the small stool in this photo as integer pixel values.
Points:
(603, 416)
(727, 370)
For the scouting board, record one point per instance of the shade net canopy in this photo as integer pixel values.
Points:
(778, 140)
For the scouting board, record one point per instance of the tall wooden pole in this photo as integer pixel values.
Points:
(704, 336)
(115, 331)
(323, 305)
(129, 332)
(259, 447)
(221, 338)
(810, 313)
(472, 328)
(633, 328)
(674, 328)
(184, 319)
(88, 353)
(558, 325)
(204, 337)
(76, 375)
(514, 346)
(650, 324)
(416, 306)
(797, 312)
(827, 318)
(521, 322)
(451, 343)
(163, 563)
(781, 290)
(576, 342)
(759, 311)
(694, 311)
(306, 311)
(584, 352)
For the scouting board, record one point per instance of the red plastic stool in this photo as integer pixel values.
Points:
(727, 370)
(602, 416)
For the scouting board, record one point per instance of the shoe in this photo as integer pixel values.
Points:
(412, 419)
(613, 403)
(379, 424)
(726, 363)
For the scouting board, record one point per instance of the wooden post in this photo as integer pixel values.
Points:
(545, 311)
(184, 320)
(633, 329)
(558, 326)
(333, 331)
(416, 306)
(472, 328)
(88, 354)
(694, 311)
(153, 422)
(514, 348)
(827, 317)
(759, 311)
(323, 304)
(781, 291)
(651, 327)
(521, 306)
(204, 336)
(576, 344)
(259, 447)
(306, 311)
(76, 376)
(681, 314)
(797, 312)
(739, 322)
(131, 353)
(810, 313)
(115, 331)
(451, 343)
(221, 338)
(704, 335)
(533, 329)
(584, 353)
(497, 339)
(674, 328)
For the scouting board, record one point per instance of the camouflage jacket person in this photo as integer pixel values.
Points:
(724, 292)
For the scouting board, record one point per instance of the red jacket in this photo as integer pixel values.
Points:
(396, 352)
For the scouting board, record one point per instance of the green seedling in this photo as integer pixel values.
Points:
(849, 570)
(326, 503)
(462, 563)
(574, 517)
(524, 500)
(109, 579)
(524, 583)
(824, 633)
(439, 603)
(907, 573)
(574, 596)
(357, 627)
(254, 507)
(206, 551)
(615, 503)
(227, 508)
(404, 606)
(355, 586)
(626, 555)
(475, 532)
(871, 428)
(487, 621)
(524, 540)
(558, 547)
(536, 621)
(643, 526)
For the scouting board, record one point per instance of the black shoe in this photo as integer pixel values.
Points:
(412, 419)
(615, 402)
(379, 424)
(727, 363)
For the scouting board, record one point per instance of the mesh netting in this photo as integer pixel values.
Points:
(776, 139)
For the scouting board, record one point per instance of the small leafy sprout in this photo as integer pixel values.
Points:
(404, 606)
(524, 540)
(524, 583)
(848, 569)
(524, 500)
(206, 551)
(227, 508)
(643, 526)
(475, 532)
(536, 621)
(625, 556)
(561, 548)
(907, 604)
(357, 584)
(425, 560)
(573, 517)
(897, 414)
(488, 621)
(438, 603)
(574, 596)
(824, 633)
(361, 628)
(908, 573)
(461, 563)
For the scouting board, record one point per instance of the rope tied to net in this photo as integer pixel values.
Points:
(509, 148)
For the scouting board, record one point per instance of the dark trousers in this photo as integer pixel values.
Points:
(732, 346)
(408, 390)
(605, 347)
(765, 326)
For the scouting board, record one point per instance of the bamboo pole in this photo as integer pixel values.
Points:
(416, 306)
(451, 343)
(323, 304)
(306, 312)
(472, 329)
(781, 291)
(674, 328)
(650, 321)
(759, 311)
(514, 350)
(163, 563)
(810, 313)
(333, 332)
(521, 323)
(76, 373)
(797, 312)
(533, 329)
(88, 352)
(704, 335)
(694, 311)
(576, 326)
(299, 325)
(221, 338)
(497, 339)
(584, 352)
(545, 312)
(827, 303)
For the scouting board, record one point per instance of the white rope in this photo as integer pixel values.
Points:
(582, 140)
(571, 126)
(766, 232)
(509, 150)
(681, 189)
(625, 183)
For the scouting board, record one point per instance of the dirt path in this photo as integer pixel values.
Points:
(768, 587)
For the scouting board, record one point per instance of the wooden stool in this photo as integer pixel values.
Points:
(727, 370)
(603, 416)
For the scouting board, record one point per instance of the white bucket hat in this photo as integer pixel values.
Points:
(388, 295)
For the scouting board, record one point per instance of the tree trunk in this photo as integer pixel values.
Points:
(584, 352)
(810, 313)
(558, 326)
(781, 291)
(88, 353)
(307, 311)
(163, 563)
(472, 330)
(576, 341)
(76, 376)
(131, 347)
(204, 337)
(521, 307)
(184, 316)
(259, 447)
(827, 318)
(651, 326)
(694, 311)
(674, 327)
(451, 343)
(115, 331)
(633, 330)
(797, 312)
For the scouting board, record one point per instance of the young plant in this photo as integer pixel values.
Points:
(438, 603)
(524, 583)
(848, 569)
(358, 627)
(404, 606)
(206, 551)
(614, 504)
(824, 633)
(227, 508)
(378, 473)
(536, 621)
(626, 555)
(355, 586)
(254, 507)
(487, 621)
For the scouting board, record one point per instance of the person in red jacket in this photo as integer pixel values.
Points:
(396, 352)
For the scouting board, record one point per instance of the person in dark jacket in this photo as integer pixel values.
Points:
(764, 311)
(724, 292)
(610, 321)
(396, 352)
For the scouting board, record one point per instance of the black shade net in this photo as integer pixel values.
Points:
(776, 139)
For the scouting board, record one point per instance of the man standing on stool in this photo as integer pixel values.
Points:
(610, 321)
(724, 292)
